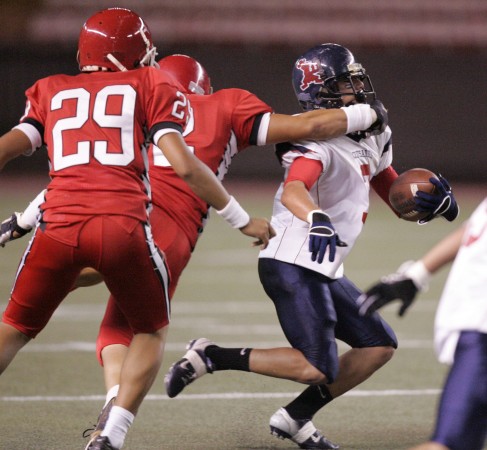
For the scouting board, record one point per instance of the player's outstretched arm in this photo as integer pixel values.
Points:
(411, 277)
(206, 185)
(327, 123)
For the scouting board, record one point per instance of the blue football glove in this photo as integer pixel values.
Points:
(10, 229)
(440, 203)
(323, 236)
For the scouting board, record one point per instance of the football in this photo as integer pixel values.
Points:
(404, 188)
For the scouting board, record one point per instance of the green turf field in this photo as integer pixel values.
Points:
(54, 389)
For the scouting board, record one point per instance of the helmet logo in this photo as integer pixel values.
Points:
(310, 73)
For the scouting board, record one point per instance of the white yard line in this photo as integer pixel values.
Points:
(223, 396)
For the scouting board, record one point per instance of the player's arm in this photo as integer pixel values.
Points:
(302, 174)
(444, 252)
(12, 144)
(206, 185)
(381, 184)
(411, 277)
(19, 224)
(326, 123)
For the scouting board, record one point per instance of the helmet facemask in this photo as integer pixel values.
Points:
(330, 96)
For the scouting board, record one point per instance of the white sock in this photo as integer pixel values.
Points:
(112, 392)
(118, 425)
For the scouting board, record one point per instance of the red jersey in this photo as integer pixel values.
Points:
(95, 126)
(220, 125)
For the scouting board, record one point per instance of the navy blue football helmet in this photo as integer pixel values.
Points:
(316, 74)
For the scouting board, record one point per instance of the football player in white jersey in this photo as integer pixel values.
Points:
(460, 328)
(319, 211)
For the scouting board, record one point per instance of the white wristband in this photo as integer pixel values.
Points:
(360, 117)
(234, 214)
(418, 272)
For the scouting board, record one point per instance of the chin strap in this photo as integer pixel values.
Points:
(116, 63)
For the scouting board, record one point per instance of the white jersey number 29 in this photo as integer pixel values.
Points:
(122, 121)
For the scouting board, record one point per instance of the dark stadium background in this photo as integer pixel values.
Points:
(427, 61)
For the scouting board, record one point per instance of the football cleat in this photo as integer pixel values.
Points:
(100, 423)
(302, 432)
(101, 443)
(194, 364)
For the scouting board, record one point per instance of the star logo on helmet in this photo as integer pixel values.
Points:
(310, 71)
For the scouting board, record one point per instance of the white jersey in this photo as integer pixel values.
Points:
(463, 304)
(342, 191)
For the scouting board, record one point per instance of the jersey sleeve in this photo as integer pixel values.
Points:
(248, 121)
(168, 107)
(32, 122)
(385, 143)
(306, 170)
(288, 152)
(381, 184)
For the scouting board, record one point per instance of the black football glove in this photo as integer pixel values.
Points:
(380, 124)
(322, 235)
(385, 292)
(441, 203)
(10, 229)
(411, 278)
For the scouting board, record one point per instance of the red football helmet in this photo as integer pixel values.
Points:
(189, 72)
(115, 39)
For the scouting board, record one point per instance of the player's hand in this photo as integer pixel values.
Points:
(380, 124)
(385, 292)
(10, 229)
(322, 236)
(411, 278)
(441, 203)
(260, 229)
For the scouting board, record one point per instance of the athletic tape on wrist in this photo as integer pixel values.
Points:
(359, 117)
(234, 214)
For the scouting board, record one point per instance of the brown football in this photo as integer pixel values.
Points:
(404, 188)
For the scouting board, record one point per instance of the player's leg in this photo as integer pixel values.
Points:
(374, 342)
(305, 310)
(371, 338)
(462, 413)
(44, 277)
(307, 317)
(135, 273)
(115, 334)
(11, 341)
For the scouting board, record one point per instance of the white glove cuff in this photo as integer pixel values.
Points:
(234, 214)
(309, 217)
(28, 219)
(418, 273)
(360, 117)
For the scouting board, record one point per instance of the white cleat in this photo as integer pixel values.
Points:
(302, 432)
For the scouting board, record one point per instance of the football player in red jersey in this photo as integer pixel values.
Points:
(221, 125)
(95, 213)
